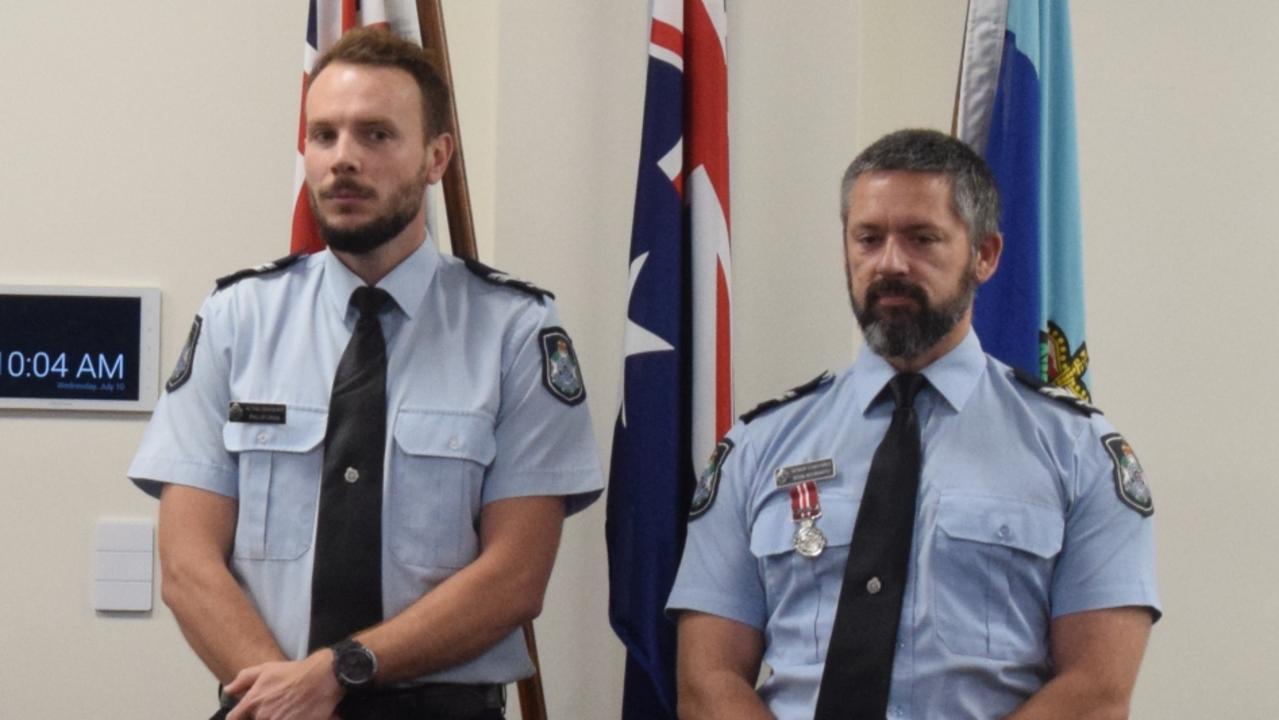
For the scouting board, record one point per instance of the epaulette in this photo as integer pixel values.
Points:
(497, 277)
(263, 269)
(794, 393)
(1058, 393)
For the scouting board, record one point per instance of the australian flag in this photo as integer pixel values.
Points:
(677, 394)
(1016, 106)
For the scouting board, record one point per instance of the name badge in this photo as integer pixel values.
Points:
(814, 471)
(265, 413)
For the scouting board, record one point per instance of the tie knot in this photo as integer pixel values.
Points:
(369, 300)
(905, 386)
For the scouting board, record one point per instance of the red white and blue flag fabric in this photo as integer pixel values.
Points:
(326, 21)
(677, 378)
(1016, 107)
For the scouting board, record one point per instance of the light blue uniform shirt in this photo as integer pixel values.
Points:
(470, 420)
(1018, 522)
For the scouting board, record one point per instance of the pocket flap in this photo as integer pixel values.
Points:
(1002, 521)
(774, 530)
(468, 436)
(303, 432)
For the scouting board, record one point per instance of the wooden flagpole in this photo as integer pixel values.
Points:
(457, 204)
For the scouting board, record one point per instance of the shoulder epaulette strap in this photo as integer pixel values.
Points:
(263, 269)
(1055, 392)
(497, 277)
(794, 393)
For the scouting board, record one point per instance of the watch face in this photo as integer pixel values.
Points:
(355, 666)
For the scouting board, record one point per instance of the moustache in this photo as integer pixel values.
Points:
(895, 286)
(347, 187)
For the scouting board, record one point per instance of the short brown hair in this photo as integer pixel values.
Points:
(380, 47)
(974, 195)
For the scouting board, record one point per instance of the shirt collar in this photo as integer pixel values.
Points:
(406, 283)
(954, 375)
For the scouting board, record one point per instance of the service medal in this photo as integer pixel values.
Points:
(806, 507)
(809, 540)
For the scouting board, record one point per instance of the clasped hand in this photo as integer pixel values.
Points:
(298, 690)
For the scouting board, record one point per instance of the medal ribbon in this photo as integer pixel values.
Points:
(804, 503)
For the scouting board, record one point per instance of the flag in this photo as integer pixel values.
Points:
(326, 21)
(1016, 107)
(677, 388)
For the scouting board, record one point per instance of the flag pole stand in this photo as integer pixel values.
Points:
(457, 205)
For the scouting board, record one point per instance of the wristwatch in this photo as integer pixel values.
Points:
(354, 665)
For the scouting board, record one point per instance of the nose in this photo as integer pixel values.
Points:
(892, 257)
(346, 155)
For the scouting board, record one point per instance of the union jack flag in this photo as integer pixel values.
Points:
(326, 21)
(677, 394)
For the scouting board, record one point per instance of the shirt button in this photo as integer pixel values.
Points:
(454, 443)
(1004, 532)
(351, 475)
(262, 438)
(873, 586)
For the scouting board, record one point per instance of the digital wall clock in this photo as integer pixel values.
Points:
(79, 348)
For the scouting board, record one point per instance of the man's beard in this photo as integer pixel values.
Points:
(363, 239)
(905, 333)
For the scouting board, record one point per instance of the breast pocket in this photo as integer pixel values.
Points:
(280, 468)
(437, 475)
(992, 568)
(802, 592)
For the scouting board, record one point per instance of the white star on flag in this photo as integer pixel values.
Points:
(639, 339)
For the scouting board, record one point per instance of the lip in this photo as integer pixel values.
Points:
(896, 301)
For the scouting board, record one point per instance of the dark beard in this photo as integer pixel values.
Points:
(372, 235)
(908, 334)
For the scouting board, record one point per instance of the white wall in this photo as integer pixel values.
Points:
(150, 144)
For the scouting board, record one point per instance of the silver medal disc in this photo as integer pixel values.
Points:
(809, 541)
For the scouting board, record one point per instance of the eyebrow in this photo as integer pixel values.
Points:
(913, 227)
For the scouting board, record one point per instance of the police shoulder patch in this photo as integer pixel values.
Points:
(708, 482)
(1056, 392)
(263, 269)
(497, 277)
(186, 358)
(560, 372)
(1130, 479)
(793, 394)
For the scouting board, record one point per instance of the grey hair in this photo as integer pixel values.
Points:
(973, 194)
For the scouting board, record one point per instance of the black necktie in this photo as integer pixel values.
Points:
(859, 661)
(346, 584)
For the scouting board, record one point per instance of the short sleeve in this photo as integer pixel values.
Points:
(718, 574)
(1108, 557)
(545, 445)
(183, 442)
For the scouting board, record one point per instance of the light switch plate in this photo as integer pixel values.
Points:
(122, 573)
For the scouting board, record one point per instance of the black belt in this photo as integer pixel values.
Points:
(454, 701)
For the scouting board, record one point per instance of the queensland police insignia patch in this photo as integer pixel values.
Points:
(708, 483)
(186, 358)
(1130, 479)
(560, 371)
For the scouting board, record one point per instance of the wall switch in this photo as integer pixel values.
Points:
(123, 565)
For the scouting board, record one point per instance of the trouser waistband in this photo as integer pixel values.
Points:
(445, 701)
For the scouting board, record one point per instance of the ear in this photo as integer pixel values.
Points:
(438, 153)
(988, 251)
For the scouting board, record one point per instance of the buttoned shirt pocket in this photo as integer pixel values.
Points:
(802, 592)
(992, 565)
(279, 483)
(437, 475)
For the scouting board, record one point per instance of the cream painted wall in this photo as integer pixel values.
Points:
(142, 147)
